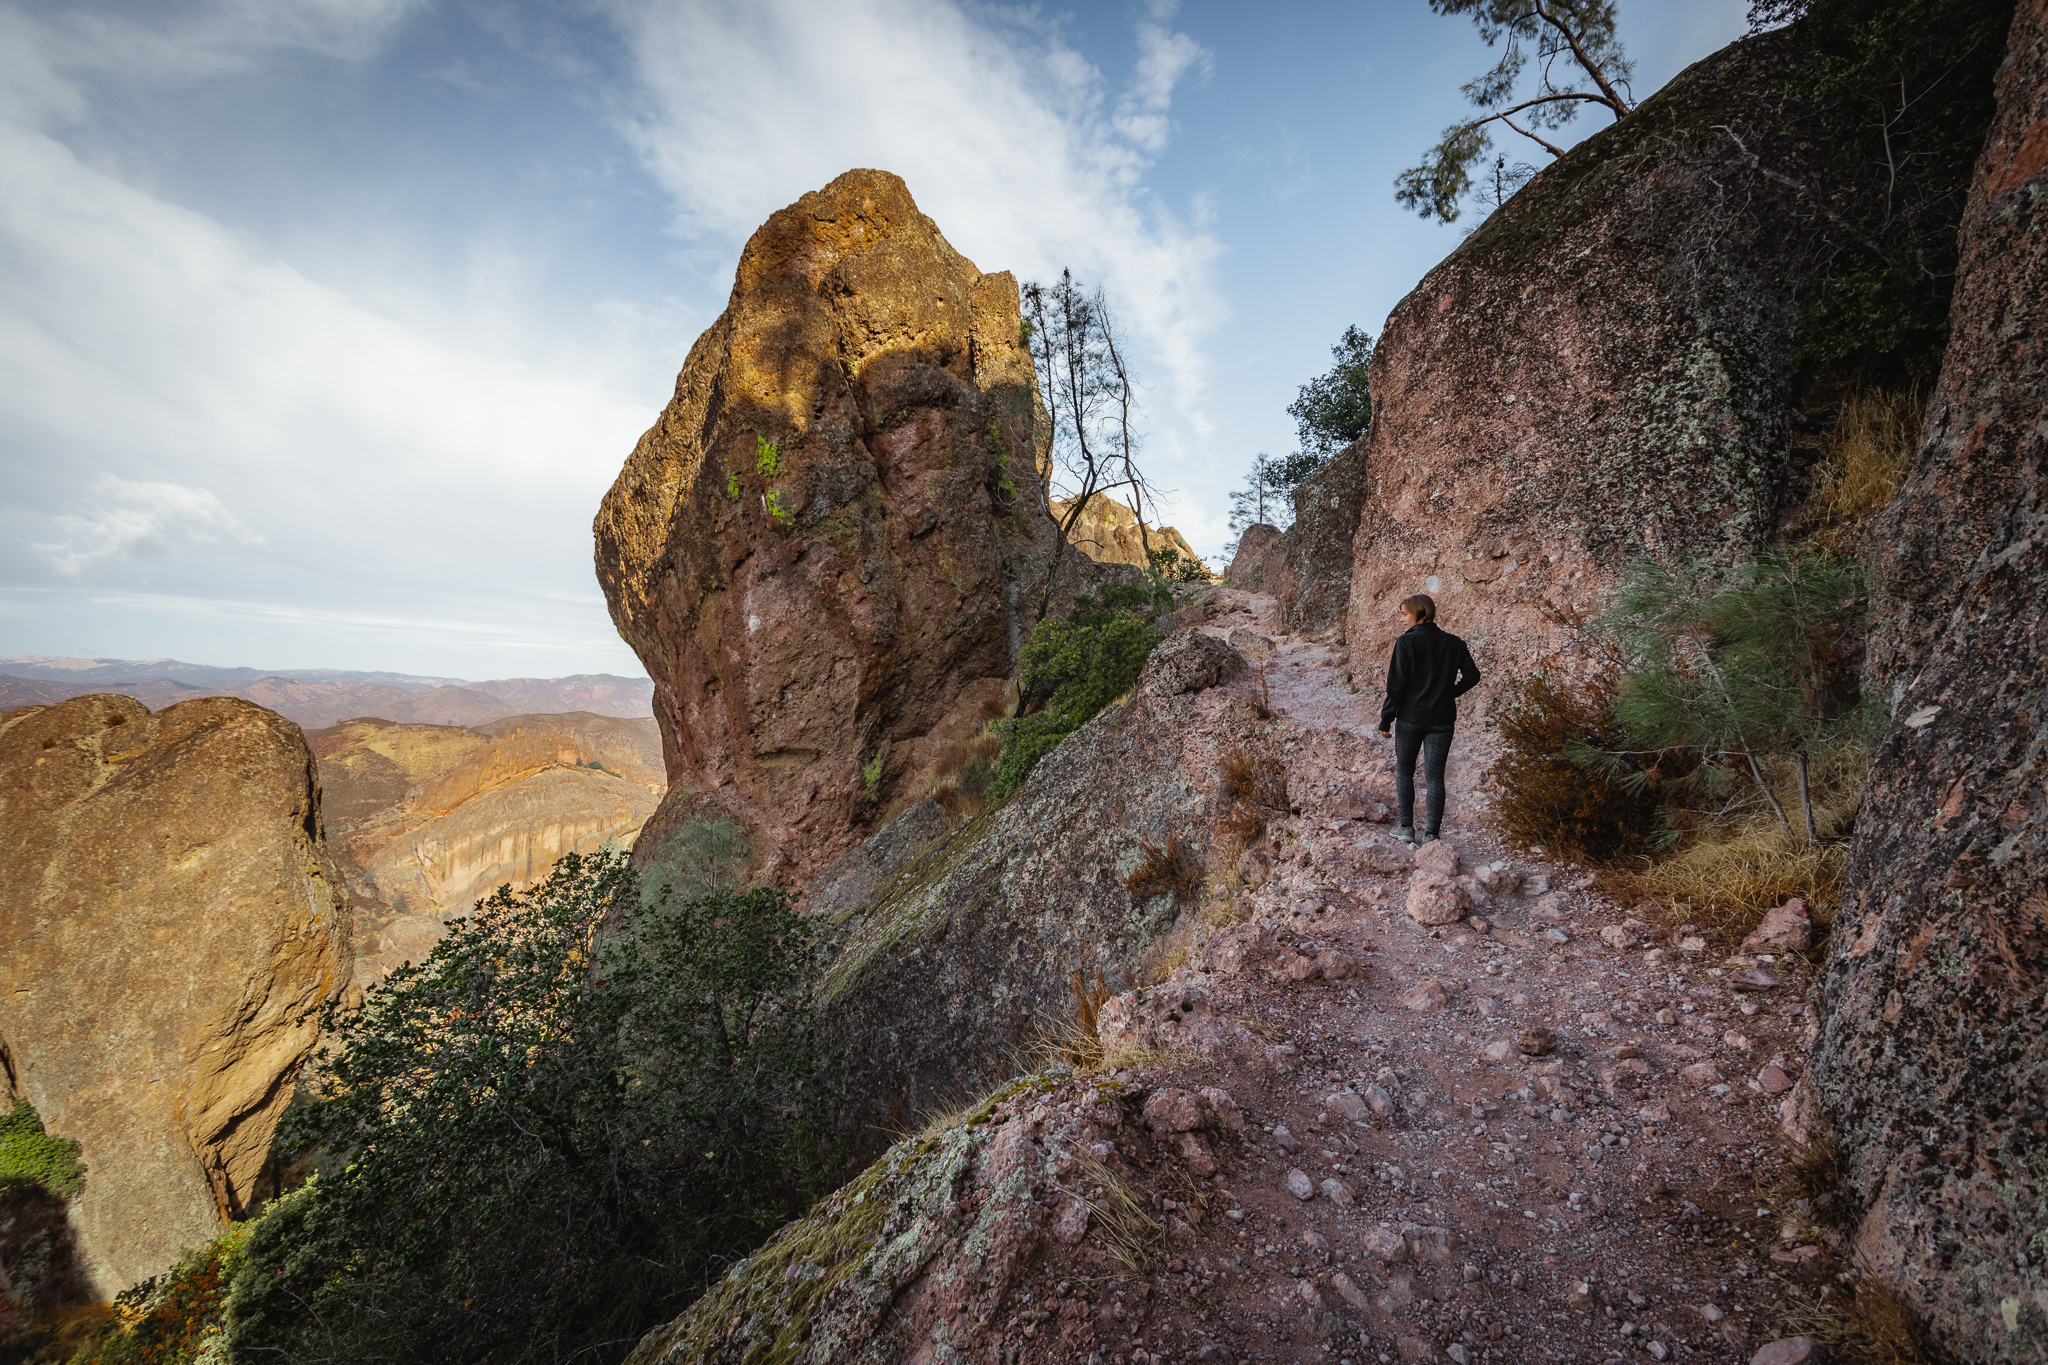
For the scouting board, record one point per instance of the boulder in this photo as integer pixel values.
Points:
(1602, 369)
(1189, 661)
(1434, 898)
(1248, 566)
(1934, 1044)
(1786, 929)
(170, 916)
(835, 539)
(1108, 532)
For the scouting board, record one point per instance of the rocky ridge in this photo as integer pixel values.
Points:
(1107, 532)
(171, 916)
(424, 819)
(1339, 1130)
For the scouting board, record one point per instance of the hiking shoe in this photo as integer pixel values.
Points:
(1422, 839)
(1404, 834)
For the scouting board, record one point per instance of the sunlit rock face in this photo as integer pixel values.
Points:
(1601, 370)
(1107, 532)
(170, 916)
(425, 819)
(1933, 1057)
(835, 537)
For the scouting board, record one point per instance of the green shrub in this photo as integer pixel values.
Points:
(170, 1319)
(1075, 667)
(540, 1143)
(30, 1156)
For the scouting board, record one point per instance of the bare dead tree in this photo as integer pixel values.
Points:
(1089, 394)
(1578, 62)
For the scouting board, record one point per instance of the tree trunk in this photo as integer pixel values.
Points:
(1806, 799)
(1757, 772)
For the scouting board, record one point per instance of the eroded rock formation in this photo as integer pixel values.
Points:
(170, 915)
(424, 819)
(833, 539)
(1308, 566)
(1633, 389)
(1107, 532)
(1935, 1048)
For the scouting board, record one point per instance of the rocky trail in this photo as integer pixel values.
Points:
(1533, 1133)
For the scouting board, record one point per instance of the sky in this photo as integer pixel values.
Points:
(325, 324)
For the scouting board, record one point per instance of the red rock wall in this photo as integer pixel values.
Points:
(1601, 370)
(1934, 1056)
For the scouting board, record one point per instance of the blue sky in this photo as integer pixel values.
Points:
(325, 325)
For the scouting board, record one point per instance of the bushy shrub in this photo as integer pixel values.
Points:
(1075, 667)
(1553, 793)
(539, 1142)
(30, 1156)
(169, 1319)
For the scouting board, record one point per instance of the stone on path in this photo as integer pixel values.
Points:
(1428, 995)
(1787, 929)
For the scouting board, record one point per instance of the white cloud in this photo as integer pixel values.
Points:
(1007, 136)
(141, 517)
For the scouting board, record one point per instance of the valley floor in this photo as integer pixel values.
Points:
(1419, 1173)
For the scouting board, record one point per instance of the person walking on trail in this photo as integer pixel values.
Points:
(1430, 670)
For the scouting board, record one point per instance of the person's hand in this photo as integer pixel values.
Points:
(1386, 734)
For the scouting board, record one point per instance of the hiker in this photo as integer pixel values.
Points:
(1430, 670)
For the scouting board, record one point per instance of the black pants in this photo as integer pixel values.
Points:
(1433, 742)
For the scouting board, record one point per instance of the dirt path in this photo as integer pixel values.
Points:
(1533, 1134)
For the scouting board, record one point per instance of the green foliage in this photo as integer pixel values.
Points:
(767, 457)
(1335, 409)
(1168, 565)
(732, 485)
(30, 1156)
(773, 503)
(1578, 61)
(701, 857)
(547, 1141)
(1074, 668)
(1894, 97)
(1267, 498)
(170, 1319)
(1754, 666)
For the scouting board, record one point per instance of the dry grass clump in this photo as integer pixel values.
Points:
(1864, 459)
(1730, 874)
(1869, 1325)
(1168, 869)
(1171, 951)
(959, 780)
(1122, 1224)
(1248, 777)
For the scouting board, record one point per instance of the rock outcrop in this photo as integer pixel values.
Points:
(962, 946)
(1248, 567)
(1633, 391)
(1935, 1047)
(424, 819)
(1107, 532)
(170, 915)
(835, 537)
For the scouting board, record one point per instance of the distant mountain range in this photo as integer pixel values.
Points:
(318, 697)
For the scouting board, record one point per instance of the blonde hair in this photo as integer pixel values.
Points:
(1422, 608)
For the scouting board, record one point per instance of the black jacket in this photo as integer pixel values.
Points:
(1430, 670)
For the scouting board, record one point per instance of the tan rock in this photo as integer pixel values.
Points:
(1428, 995)
(1107, 532)
(423, 820)
(837, 529)
(170, 915)
(1436, 899)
